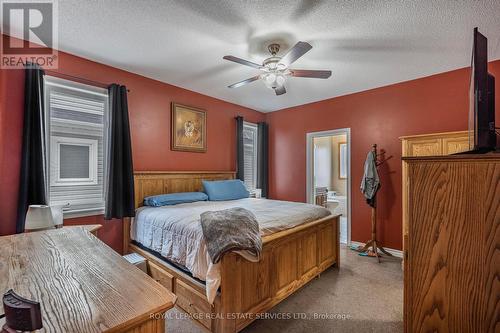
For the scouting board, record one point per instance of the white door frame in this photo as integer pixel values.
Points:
(310, 169)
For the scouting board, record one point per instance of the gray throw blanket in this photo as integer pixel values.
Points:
(231, 229)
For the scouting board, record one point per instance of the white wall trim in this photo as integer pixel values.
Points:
(309, 169)
(83, 212)
(394, 252)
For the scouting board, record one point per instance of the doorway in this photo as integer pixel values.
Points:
(329, 175)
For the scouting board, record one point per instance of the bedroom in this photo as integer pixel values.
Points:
(398, 69)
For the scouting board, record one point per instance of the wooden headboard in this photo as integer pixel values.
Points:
(149, 183)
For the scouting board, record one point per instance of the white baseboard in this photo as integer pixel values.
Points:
(396, 253)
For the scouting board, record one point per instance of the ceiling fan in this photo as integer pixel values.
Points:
(276, 69)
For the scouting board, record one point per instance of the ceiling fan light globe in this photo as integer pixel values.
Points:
(270, 85)
(271, 77)
(280, 80)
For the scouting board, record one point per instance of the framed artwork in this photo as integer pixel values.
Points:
(189, 128)
(342, 160)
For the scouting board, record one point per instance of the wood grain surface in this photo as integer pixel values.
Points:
(81, 283)
(453, 266)
(435, 144)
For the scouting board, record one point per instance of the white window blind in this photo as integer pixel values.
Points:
(76, 116)
(250, 155)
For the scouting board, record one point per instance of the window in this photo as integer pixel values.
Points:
(250, 132)
(74, 161)
(76, 116)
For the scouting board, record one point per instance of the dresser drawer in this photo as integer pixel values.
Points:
(455, 145)
(161, 276)
(425, 147)
(194, 303)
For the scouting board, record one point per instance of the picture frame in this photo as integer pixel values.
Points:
(342, 160)
(188, 128)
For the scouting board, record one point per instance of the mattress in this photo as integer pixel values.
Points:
(175, 231)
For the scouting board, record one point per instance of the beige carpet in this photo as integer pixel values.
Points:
(363, 296)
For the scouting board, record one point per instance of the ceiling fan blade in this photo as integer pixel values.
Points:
(242, 61)
(280, 90)
(242, 83)
(311, 73)
(295, 53)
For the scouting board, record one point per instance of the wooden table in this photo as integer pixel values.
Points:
(81, 283)
(92, 228)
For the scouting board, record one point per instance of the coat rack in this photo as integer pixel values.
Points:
(373, 241)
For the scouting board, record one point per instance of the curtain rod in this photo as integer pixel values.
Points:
(77, 78)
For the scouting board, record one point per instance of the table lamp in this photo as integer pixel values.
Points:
(39, 217)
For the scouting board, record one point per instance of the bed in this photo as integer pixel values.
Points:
(291, 255)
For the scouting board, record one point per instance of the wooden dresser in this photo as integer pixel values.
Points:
(435, 144)
(81, 283)
(452, 265)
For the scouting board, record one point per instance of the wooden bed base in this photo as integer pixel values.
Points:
(290, 259)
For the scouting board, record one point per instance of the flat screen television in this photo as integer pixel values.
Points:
(482, 131)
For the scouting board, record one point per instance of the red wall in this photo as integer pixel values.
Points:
(432, 104)
(149, 108)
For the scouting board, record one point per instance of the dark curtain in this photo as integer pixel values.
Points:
(32, 188)
(263, 158)
(120, 174)
(240, 163)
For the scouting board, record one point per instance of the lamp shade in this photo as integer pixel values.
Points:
(38, 217)
(57, 214)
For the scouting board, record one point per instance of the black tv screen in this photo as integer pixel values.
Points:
(482, 105)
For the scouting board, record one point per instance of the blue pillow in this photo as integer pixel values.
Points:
(220, 190)
(174, 199)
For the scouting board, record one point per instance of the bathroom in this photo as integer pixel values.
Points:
(331, 173)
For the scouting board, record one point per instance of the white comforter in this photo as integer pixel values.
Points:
(175, 231)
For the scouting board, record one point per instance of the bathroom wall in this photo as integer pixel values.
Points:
(337, 184)
(322, 162)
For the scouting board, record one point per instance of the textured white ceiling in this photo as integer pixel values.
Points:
(366, 44)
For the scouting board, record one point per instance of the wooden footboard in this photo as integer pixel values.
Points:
(290, 259)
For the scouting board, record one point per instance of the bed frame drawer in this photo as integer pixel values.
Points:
(161, 276)
(194, 303)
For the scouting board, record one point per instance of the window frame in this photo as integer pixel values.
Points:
(255, 130)
(87, 206)
(55, 161)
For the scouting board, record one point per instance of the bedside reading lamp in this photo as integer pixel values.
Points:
(40, 217)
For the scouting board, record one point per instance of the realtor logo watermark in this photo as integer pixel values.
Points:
(32, 27)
